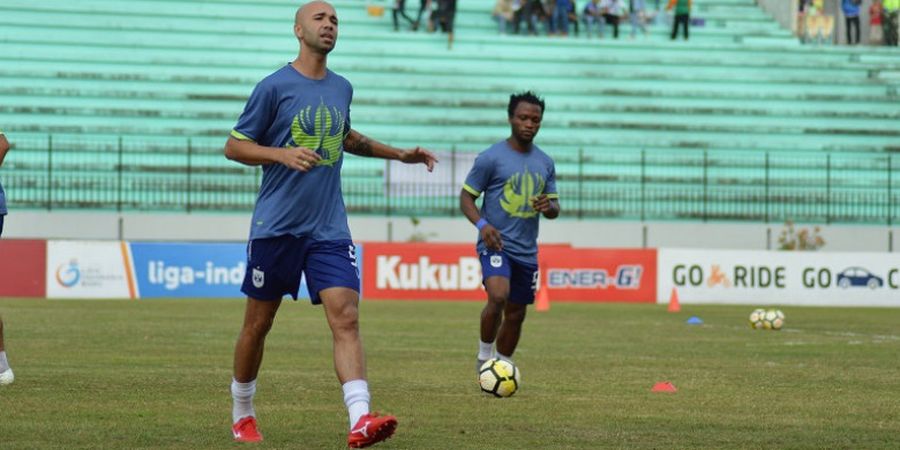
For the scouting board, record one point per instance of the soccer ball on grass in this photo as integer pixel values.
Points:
(499, 378)
(762, 319)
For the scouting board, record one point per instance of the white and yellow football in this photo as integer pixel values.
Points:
(773, 319)
(756, 319)
(499, 378)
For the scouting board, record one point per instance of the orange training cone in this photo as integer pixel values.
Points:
(664, 386)
(542, 300)
(674, 306)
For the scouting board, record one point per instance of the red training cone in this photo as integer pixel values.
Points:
(674, 306)
(664, 386)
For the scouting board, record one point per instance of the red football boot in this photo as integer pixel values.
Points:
(245, 430)
(371, 429)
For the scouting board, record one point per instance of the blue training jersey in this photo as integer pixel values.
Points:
(2, 194)
(287, 109)
(509, 180)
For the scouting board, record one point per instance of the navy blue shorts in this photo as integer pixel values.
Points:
(523, 277)
(1, 223)
(274, 267)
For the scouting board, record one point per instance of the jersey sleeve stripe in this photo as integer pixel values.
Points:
(471, 190)
(240, 136)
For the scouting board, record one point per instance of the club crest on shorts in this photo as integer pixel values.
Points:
(496, 261)
(259, 278)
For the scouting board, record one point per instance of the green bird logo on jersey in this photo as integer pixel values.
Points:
(322, 131)
(518, 191)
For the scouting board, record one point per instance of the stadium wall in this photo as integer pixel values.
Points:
(783, 11)
(579, 233)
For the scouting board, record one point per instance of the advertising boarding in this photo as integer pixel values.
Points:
(192, 270)
(427, 271)
(88, 269)
(780, 278)
(22, 268)
(421, 271)
(598, 275)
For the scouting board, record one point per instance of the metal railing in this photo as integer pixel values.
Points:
(191, 175)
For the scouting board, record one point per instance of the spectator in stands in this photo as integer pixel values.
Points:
(818, 25)
(636, 12)
(399, 9)
(6, 373)
(851, 19)
(526, 10)
(802, 10)
(559, 17)
(612, 14)
(592, 16)
(424, 7)
(658, 12)
(889, 22)
(573, 16)
(875, 31)
(446, 16)
(682, 16)
(816, 7)
(544, 15)
(503, 12)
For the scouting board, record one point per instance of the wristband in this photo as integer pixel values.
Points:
(481, 223)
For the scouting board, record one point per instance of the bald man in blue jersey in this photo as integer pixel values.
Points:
(296, 125)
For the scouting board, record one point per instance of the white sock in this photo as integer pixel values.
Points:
(485, 350)
(356, 397)
(504, 357)
(242, 394)
(4, 365)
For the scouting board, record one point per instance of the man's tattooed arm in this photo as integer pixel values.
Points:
(359, 144)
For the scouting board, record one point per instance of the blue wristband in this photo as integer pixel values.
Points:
(481, 223)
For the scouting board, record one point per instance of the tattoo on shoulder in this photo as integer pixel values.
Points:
(361, 146)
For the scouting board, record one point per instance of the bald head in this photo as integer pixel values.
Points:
(316, 26)
(307, 9)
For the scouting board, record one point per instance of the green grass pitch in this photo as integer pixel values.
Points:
(156, 374)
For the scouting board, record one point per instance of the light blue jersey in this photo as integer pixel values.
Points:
(509, 180)
(288, 109)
